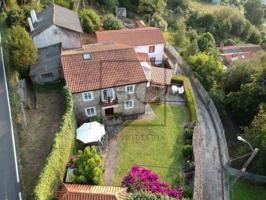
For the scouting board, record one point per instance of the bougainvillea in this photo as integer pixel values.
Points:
(144, 179)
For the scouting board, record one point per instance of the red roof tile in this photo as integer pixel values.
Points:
(110, 65)
(133, 37)
(91, 192)
(160, 76)
(240, 48)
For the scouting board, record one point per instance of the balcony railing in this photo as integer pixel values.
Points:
(109, 102)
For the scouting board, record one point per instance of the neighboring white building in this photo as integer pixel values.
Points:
(54, 25)
(147, 40)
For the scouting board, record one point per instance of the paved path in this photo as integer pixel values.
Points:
(9, 178)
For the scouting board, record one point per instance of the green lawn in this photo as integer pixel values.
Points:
(244, 190)
(154, 143)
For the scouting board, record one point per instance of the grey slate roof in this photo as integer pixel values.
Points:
(58, 16)
(48, 59)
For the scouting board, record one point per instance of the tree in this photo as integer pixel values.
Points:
(206, 42)
(15, 16)
(90, 20)
(254, 11)
(207, 68)
(256, 134)
(255, 36)
(88, 167)
(146, 7)
(108, 5)
(110, 22)
(144, 179)
(23, 51)
(181, 39)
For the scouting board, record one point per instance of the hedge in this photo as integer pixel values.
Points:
(62, 149)
(189, 95)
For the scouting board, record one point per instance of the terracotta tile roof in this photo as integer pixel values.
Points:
(110, 65)
(240, 48)
(143, 57)
(91, 192)
(133, 37)
(160, 76)
(229, 58)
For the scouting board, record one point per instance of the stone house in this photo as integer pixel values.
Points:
(54, 25)
(48, 66)
(105, 78)
(147, 40)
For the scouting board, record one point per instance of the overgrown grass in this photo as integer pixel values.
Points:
(203, 7)
(153, 143)
(189, 95)
(244, 190)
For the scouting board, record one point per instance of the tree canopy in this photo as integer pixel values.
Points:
(254, 11)
(110, 22)
(88, 167)
(23, 51)
(90, 20)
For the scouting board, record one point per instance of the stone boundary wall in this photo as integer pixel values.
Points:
(216, 121)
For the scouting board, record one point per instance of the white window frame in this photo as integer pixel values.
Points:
(90, 115)
(130, 92)
(83, 96)
(110, 90)
(125, 104)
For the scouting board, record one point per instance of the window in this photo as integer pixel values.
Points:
(108, 94)
(130, 89)
(90, 112)
(47, 75)
(129, 104)
(87, 96)
(151, 49)
(87, 56)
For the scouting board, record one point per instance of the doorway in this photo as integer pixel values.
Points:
(109, 111)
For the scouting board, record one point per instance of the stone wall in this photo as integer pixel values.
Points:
(138, 97)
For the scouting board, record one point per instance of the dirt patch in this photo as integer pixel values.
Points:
(37, 139)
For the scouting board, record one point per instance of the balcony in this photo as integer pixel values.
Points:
(109, 103)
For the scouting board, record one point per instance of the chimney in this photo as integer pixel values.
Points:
(30, 24)
(33, 16)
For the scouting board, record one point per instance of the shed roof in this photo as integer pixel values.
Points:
(59, 16)
(91, 192)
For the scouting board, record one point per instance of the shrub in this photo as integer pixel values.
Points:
(144, 179)
(158, 100)
(189, 95)
(15, 16)
(61, 151)
(110, 22)
(187, 193)
(188, 133)
(187, 151)
(95, 118)
(23, 51)
(143, 195)
(90, 20)
(88, 167)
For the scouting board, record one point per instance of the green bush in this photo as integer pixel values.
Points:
(187, 192)
(88, 167)
(95, 118)
(187, 151)
(188, 133)
(90, 20)
(110, 22)
(143, 195)
(62, 149)
(15, 16)
(189, 95)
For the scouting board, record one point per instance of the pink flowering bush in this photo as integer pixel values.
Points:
(144, 179)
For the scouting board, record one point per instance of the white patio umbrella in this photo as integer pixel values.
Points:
(90, 132)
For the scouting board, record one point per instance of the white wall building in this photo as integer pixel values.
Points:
(147, 40)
